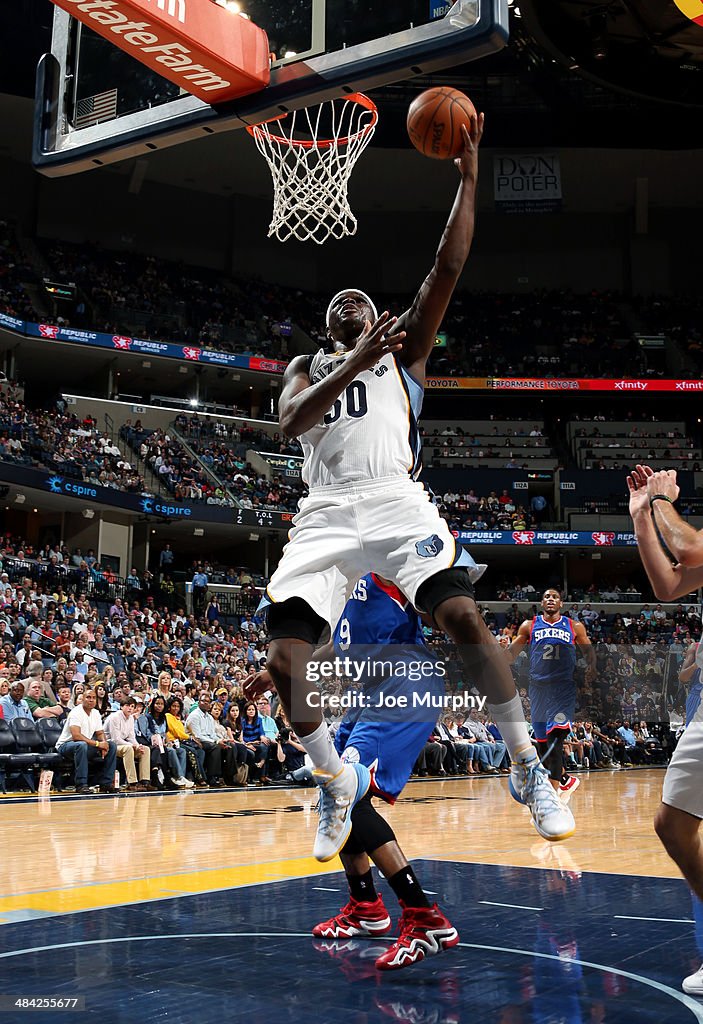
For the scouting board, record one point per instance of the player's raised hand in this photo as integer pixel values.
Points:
(375, 343)
(637, 486)
(257, 684)
(467, 162)
(663, 482)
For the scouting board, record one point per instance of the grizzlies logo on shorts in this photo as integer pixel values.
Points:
(430, 547)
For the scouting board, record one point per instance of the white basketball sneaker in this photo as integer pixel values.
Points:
(693, 984)
(338, 796)
(529, 784)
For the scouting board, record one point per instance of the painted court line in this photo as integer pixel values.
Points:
(322, 888)
(667, 920)
(691, 1004)
(513, 906)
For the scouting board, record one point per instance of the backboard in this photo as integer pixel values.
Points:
(96, 104)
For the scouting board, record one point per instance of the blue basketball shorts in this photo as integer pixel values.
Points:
(388, 749)
(552, 706)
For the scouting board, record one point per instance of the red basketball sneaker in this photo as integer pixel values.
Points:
(356, 918)
(424, 931)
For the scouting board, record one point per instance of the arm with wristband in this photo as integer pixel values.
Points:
(661, 520)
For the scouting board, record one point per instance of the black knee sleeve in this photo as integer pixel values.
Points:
(369, 829)
(443, 585)
(294, 619)
(551, 752)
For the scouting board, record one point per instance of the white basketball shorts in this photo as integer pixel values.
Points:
(389, 526)
(683, 782)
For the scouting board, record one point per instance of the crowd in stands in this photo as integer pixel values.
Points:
(677, 317)
(173, 466)
(637, 443)
(15, 272)
(132, 293)
(222, 447)
(215, 470)
(174, 680)
(153, 664)
(541, 333)
(515, 447)
(62, 442)
(468, 511)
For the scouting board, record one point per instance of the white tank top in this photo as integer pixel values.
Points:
(370, 432)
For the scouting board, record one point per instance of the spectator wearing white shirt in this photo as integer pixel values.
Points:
(119, 727)
(82, 740)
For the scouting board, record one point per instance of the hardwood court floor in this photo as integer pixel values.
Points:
(75, 854)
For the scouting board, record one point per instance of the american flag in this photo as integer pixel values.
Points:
(96, 108)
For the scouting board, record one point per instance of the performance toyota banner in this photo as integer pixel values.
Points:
(456, 383)
(544, 538)
(591, 384)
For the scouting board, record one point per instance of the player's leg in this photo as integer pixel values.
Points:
(437, 577)
(424, 929)
(390, 749)
(448, 598)
(679, 832)
(678, 819)
(551, 752)
(365, 912)
(294, 627)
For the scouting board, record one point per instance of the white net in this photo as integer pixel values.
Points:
(311, 154)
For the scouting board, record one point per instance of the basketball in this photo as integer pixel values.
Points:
(435, 118)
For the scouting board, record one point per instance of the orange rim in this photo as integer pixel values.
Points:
(355, 97)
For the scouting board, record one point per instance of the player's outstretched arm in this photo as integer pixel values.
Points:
(519, 643)
(422, 321)
(587, 650)
(684, 542)
(303, 404)
(669, 582)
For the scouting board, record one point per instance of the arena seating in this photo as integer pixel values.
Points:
(488, 444)
(60, 442)
(613, 444)
(15, 273)
(543, 334)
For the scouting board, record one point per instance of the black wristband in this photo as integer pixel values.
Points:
(660, 497)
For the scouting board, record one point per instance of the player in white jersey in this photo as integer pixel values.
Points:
(355, 410)
(677, 823)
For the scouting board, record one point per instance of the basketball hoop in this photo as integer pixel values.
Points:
(311, 173)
